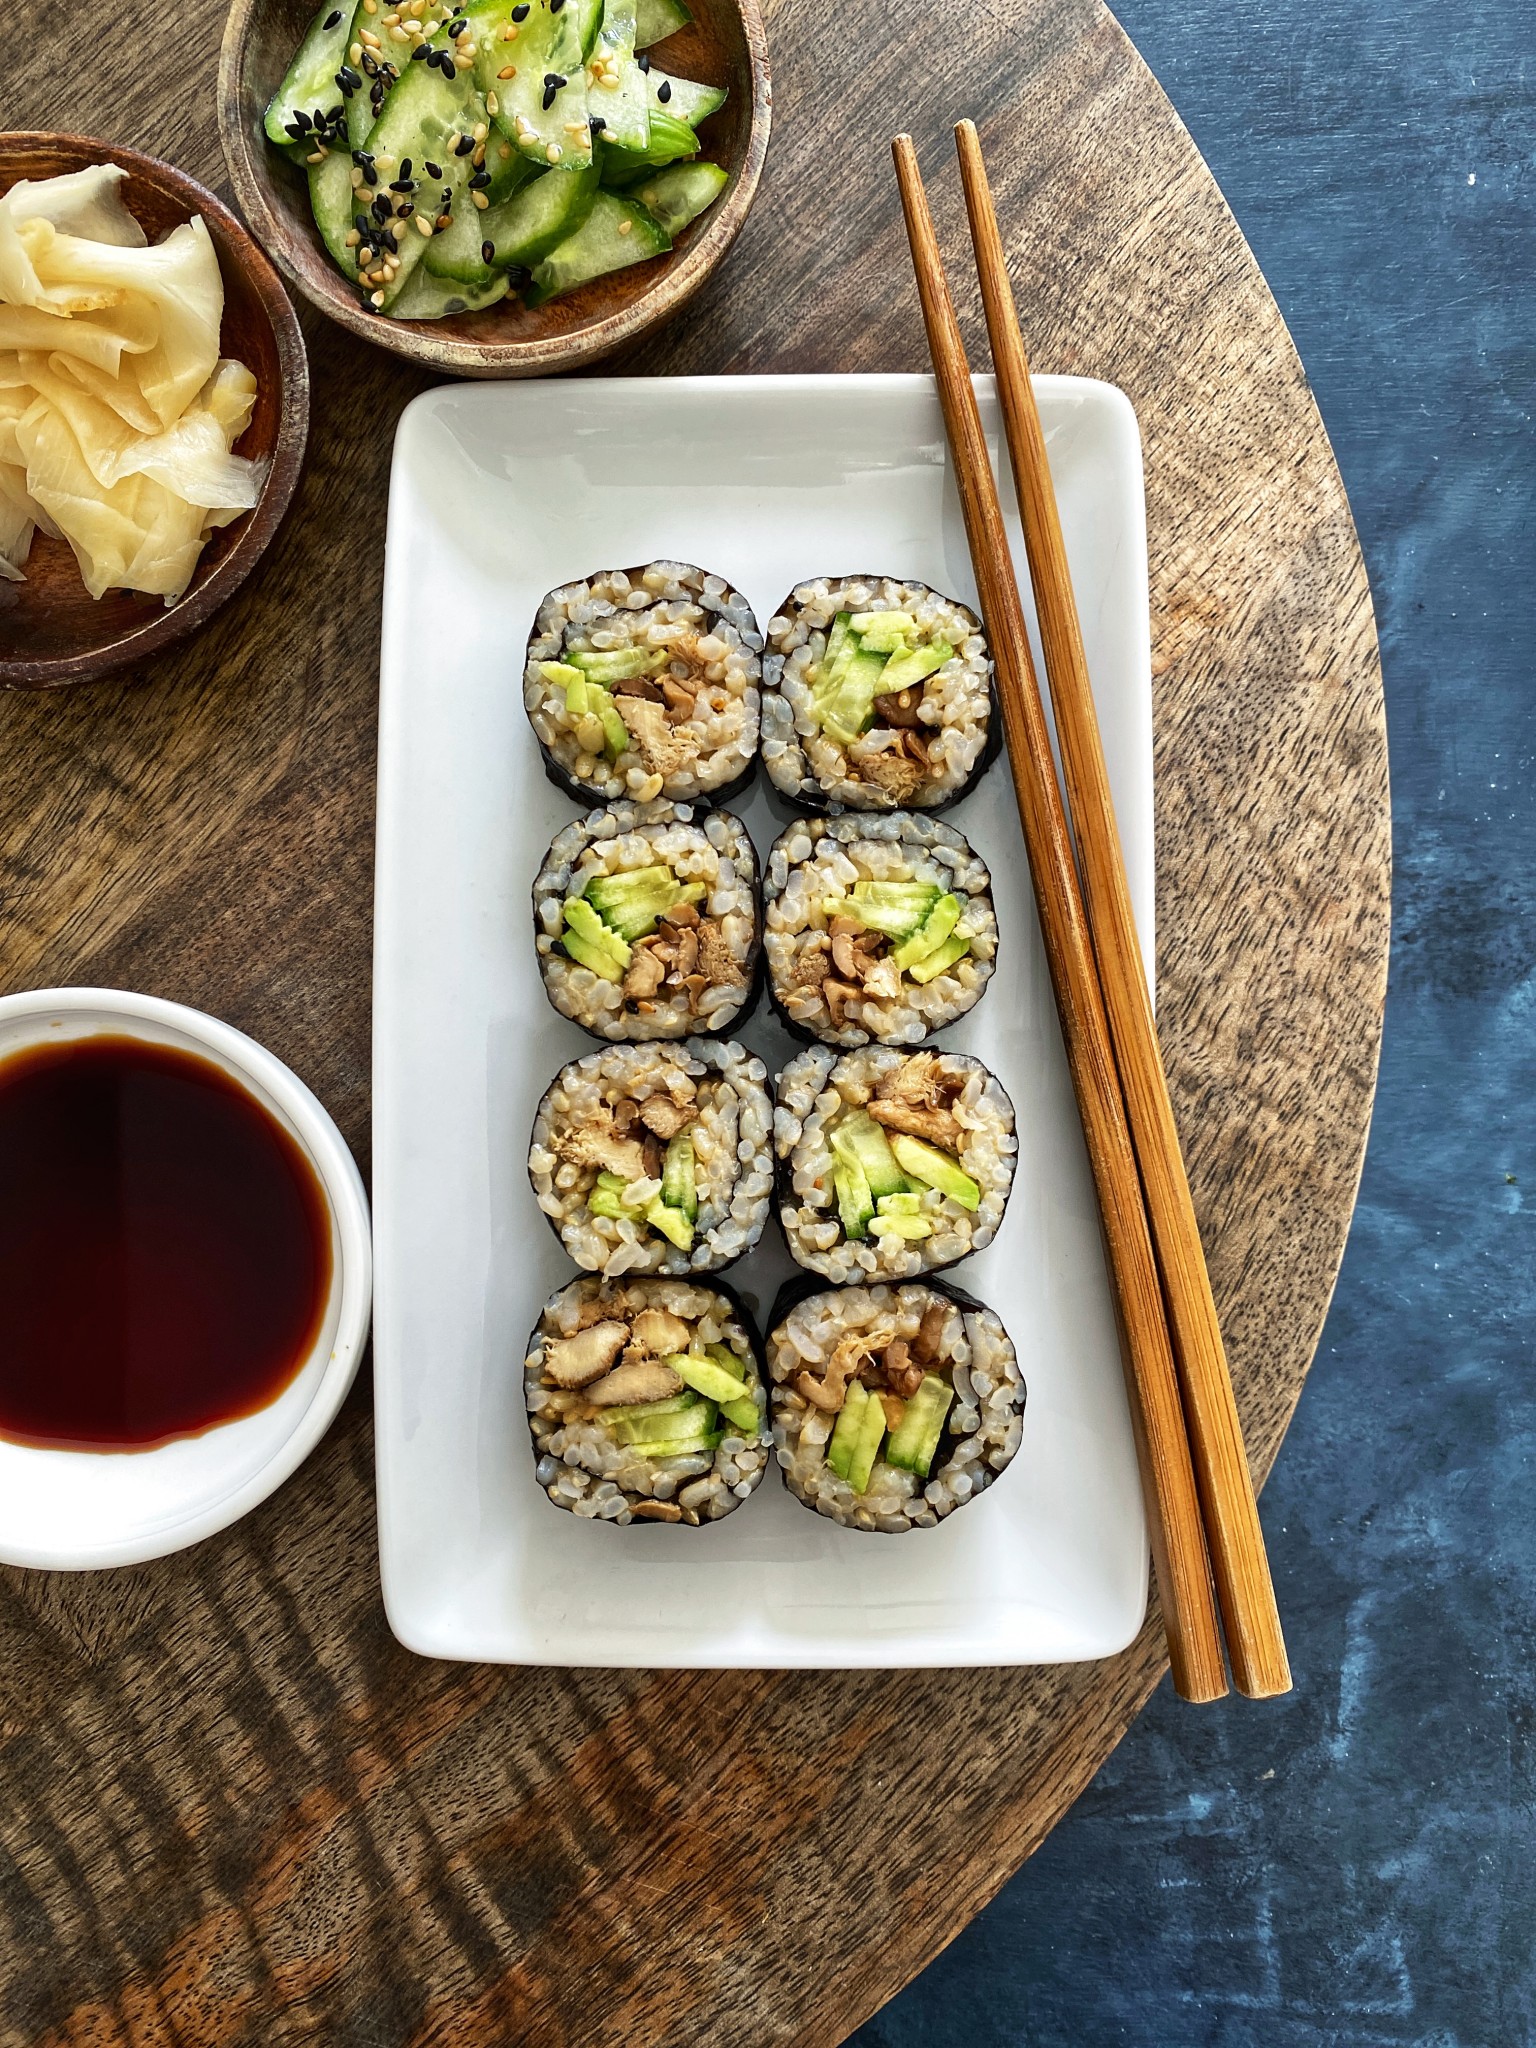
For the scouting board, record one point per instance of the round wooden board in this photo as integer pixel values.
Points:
(235, 1810)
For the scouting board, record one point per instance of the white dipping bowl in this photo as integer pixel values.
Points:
(64, 1510)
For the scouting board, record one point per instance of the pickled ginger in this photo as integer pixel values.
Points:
(118, 416)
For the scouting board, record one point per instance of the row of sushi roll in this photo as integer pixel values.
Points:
(651, 922)
(667, 1159)
(886, 1399)
(886, 1407)
(869, 693)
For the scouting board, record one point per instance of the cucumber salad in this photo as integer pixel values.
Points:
(456, 154)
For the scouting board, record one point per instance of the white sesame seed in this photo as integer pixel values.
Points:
(355, 54)
(554, 152)
(378, 298)
(493, 103)
(625, 226)
(480, 200)
(481, 131)
(424, 226)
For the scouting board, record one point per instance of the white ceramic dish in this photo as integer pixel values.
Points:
(75, 1510)
(498, 493)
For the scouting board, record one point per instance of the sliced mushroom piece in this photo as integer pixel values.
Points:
(661, 1115)
(659, 1332)
(681, 916)
(895, 1406)
(679, 699)
(843, 958)
(686, 955)
(637, 686)
(577, 1361)
(650, 1146)
(835, 994)
(656, 1511)
(899, 707)
(928, 1344)
(820, 1395)
(645, 975)
(651, 1381)
(937, 1126)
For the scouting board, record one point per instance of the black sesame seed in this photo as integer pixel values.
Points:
(370, 175)
(643, 60)
(555, 6)
(401, 185)
(664, 91)
(407, 210)
(520, 14)
(293, 129)
(433, 170)
(487, 252)
(419, 52)
(348, 80)
(466, 143)
(457, 26)
(479, 181)
(381, 209)
(405, 168)
(596, 123)
(332, 18)
(370, 64)
(301, 120)
(549, 97)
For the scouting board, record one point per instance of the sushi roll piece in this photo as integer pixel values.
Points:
(877, 696)
(656, 1158)
(646, 1401)
(646, 921)
(890, 1163)
(646, 683)
(892, 1406)
(876, 929)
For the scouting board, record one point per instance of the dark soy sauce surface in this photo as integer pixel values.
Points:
(165, 1248)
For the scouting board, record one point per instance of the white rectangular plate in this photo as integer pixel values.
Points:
(500, 492)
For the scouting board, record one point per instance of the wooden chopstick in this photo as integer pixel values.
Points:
(1173, 1509)
(1255, 1644)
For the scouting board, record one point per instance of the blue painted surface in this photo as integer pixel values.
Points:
(1355, 1866)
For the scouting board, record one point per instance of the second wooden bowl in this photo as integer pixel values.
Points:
(52, 631)
(725, 44)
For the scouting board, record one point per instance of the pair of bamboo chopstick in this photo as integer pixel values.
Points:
(1200, 1497)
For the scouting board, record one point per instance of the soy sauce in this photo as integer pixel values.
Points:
(165, 1247)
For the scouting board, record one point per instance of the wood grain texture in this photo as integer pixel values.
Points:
(236, 1813)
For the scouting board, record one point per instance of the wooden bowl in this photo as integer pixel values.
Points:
(724, 45)
(52, 631)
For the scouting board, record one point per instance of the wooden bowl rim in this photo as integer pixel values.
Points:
(259, 526)
(416, 340)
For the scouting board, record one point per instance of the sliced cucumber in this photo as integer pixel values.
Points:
(460, 250)
(309, 88)
(538, 218)
(616, 86)
(547, 58)
(867, 1448)
(438, 298)
(678, 1187)
(681, 193)
(615, 234)
(858, 1139)
(685, 99)
(916, 1437)
(930, 934)
(855, 1204)
(845, 1431)
(674, 1404)
(707, 1378)
(425, 120)
(657, 19)
(671, 140)
(941, 959)
(743, 1414)
(330, 201)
